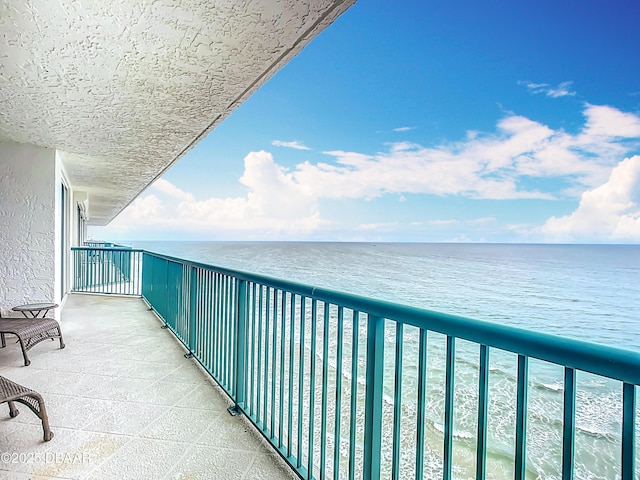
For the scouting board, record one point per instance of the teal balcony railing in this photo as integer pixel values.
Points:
(107, 270)
(349, 387)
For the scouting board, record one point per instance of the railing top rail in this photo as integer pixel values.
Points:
(119, 248)
(612, 362)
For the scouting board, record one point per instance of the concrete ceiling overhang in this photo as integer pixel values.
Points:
(124, 88)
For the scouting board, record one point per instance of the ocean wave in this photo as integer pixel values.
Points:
(459, 434)
(554, 387)
(593, 431)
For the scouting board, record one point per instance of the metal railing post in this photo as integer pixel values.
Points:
(193, 310)
(628, 431)
(373, 397)
(241, 340)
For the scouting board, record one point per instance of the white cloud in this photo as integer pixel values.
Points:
(605, 121)
(561, 90)
(274, 205)
(491, 166)
(609, 212)
(403, 129)
(443, 223)
(483, 221)
(378, 227)
(295, 144)
(172, 191)
(281, 202)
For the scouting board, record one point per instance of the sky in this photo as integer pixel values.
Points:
(438, 121)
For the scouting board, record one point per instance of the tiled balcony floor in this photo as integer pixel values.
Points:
(124, 403)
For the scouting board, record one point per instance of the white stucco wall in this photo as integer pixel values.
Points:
(27, 225)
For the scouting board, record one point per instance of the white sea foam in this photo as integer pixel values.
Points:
(456, 433)
(554, 387)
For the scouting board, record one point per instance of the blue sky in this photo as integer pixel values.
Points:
(457, 121)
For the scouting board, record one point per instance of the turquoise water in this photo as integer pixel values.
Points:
(586, 292)
(590, 292)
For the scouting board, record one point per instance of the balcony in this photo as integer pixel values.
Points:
(124, 402)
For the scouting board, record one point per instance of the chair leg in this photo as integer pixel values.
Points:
(4, 343)
(27, 362)
(48, 434)
(62, 345)
(13, 411)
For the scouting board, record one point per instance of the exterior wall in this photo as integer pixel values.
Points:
(27, 225)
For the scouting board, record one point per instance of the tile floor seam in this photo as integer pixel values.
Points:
(137, 402)
(181, 460)
(157, 420)
(248, 470)
(204, 431)
(86, 426)
(251, 430)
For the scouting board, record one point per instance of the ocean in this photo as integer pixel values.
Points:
(588, 292)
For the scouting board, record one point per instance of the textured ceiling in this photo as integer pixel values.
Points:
(123, 88)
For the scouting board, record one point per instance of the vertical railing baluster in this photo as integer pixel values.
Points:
(301, 380)
(521, 418)
(354, 394)
(222, 325)
(91, 268)
(259, 353)
(126, 272)
(338, 417)
(186, 304)
(422, 403)
(164, 294)
(193, 303)
(267, 324)
(218, 323)
(292, 324)
(224, 333)
(121, 277)
(569, 423)
(210, 322)
(274, 343)
(325, 375)
(283, 334)
(397, 402)
(206, 310)
(253, 348)
(483, 409)
(241, 339)
(233, 294)
(448, 407)
(229, 340)
(628, 431)
(373, 398)
(131, 271)
(106, 277)
(312, 386)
